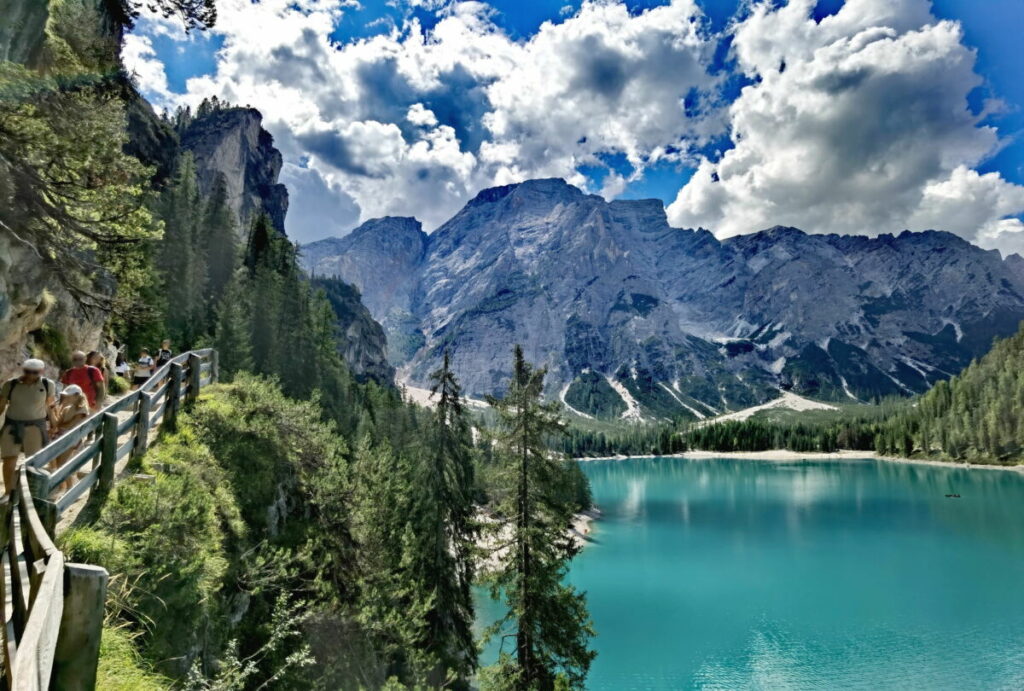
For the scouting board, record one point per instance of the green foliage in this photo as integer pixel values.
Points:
(54, 344)
(118, 385)
(121, 666)
(591, 393)
(66, 187)
(977, 416)
(546, 619)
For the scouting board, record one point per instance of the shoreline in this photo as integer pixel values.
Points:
(785, 455)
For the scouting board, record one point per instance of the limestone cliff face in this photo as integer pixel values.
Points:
(380, 258)
(232, 142)
(363, 344)
(37, 317)
(618, 304)
(21, 31)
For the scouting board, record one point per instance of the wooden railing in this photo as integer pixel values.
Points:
(53, 612)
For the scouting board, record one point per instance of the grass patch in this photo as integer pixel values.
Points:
(121, 666)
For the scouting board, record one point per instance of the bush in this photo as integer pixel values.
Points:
(118, 385)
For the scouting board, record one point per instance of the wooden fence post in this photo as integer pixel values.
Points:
(81, 626)
(195, 375)
(142, 426)
(173, 394)
(214, 367)
(108, 451)
(39, 485)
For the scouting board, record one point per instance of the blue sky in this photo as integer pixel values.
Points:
(863, 116)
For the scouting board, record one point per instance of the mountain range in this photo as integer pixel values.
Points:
(634, 318)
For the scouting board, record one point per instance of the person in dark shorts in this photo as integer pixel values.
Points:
(164, 355)
(144, 367)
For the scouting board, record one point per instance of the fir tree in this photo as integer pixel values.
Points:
(446, 531)
(551, 627)
(220, 237)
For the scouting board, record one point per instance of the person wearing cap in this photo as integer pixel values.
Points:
(72, 408)
(28, 403)
(88, 377)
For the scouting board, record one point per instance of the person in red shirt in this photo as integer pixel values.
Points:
(89, 378)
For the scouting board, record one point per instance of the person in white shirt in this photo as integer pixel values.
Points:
(143, 369)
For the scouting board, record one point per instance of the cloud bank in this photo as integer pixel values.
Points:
(857, 123)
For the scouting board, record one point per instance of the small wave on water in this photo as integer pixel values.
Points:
(879, 659)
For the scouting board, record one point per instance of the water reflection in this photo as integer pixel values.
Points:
(739, 574)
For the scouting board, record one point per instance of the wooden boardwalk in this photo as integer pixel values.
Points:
(52, 611)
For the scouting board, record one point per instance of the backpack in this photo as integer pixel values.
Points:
(9, 385)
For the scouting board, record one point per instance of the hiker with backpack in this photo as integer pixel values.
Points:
(28, 402)
(88, 377)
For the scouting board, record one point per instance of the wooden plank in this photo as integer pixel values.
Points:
(205, 381)
(40, 540)
(128, 401)
(157, 414)
(75, 463)
(161, 391)
(127, 424)
(65, 442)
(19, 572)
(142, 431)
(125, 448)
(9, 629)
(108, 454)
(33, 663)
(174, 393)
(78, 490)
(214, 365)
(195, 374)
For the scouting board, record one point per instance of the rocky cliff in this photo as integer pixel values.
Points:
(363, 343)
(37, 317)
(635, 317)
(232, 142)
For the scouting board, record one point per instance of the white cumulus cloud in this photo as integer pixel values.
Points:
(858, 123)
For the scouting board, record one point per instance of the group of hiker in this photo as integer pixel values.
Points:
(36, 409)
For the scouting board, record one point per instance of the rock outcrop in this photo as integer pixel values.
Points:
(617, 304)
(363, 343)
(232, 142)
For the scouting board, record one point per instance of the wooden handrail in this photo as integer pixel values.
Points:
(35, 580)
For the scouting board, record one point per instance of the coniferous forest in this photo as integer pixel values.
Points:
(976, 416)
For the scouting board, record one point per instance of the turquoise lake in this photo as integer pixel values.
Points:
(738, 574)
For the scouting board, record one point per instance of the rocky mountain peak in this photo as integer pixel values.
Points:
(232, 142)
(628, 312)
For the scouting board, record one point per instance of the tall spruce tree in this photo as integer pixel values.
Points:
(550, 624)
(445, 527)
(234, 328)
(182, 259)
(220, 236)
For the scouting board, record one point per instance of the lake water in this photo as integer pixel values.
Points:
(737, 574)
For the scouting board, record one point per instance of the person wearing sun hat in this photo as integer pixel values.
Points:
(28, 403)
(72, 409)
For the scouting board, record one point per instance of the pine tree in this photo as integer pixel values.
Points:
(549, 618)
(446, 533)
(182, 259)
(234, 329)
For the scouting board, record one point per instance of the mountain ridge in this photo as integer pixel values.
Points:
(682, 320)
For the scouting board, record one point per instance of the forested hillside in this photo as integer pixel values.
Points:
(304, 526)
(977, 416)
